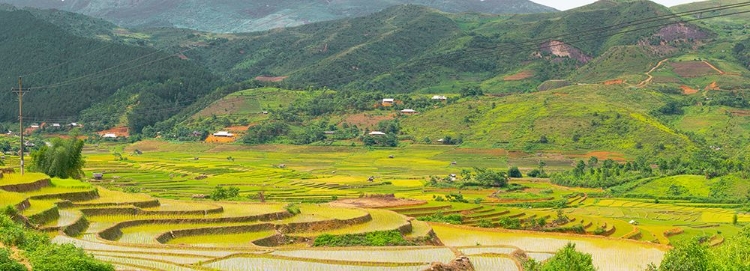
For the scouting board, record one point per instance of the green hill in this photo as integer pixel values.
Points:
(246, 16)
(413, 48)
(89, 80)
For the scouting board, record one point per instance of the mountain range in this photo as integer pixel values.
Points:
(603, 76)
(234, 16)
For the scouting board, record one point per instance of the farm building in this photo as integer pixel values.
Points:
(388, 102)
(376, 133)
(34, 125)
(223, 134)
(109, 135)
(409, 111)
(56, 125)
(439, 98)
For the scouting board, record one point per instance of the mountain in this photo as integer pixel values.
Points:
(68, 75)
(224, 16)
(414, 48)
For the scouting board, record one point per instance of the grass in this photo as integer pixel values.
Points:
(697, 186)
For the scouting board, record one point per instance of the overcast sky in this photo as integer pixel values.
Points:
(568, 4)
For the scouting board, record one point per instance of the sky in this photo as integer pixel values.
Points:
(568, 4)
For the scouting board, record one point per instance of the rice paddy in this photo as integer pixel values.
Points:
(151, 212)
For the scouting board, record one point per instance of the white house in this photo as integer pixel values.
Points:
(388, 102)
(109, 135)
(439, 97)
(378, 133)
(34, 125)
(409, 111)
(223, 134)
(57, 125)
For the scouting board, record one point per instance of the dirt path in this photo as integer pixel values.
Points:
(651, 77)
(714, 67)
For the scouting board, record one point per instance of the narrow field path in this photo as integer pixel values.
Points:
(651, 77)
(714, 67)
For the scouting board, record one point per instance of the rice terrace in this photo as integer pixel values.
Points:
(374, 135)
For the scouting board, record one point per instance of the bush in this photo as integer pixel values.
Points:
(513, 172)
(378, 238)
(439, 217)
(292, 208)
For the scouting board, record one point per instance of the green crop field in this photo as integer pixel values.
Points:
(151, 210)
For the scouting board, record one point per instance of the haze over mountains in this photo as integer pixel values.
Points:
(235, 16)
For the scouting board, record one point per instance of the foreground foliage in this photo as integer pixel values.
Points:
(567, 258)
(42, 254)
(695, 254)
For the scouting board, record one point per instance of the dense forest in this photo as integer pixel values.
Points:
(67, 75)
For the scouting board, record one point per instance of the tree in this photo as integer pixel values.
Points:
(593, 161)
(567, 258)
(62, 158)
(688, 256)
(513, 172)
(488, 177)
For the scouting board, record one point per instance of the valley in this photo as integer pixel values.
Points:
(348, 135)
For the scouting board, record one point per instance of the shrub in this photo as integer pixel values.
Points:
(513, 172)
(292, 208)
(378, 238)
(439, 217)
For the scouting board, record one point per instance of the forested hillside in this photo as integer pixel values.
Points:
(413, 48)
(246, 16)
(68, 74)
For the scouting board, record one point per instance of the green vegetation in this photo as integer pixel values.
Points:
(61, 159)
(378, 238)
(566, 258)
(41, 254)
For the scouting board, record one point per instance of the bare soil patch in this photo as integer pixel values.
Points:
(713, 86)
(118, 131)
(740, 113)
(375, 202)
(693, 69)
(614, 82)
(367, 120)
(519, 76)
(688, 90)
(224, 107)
(271, 78)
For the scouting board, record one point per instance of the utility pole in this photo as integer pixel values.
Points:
(20, 93)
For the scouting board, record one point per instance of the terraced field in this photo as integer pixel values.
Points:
(150, 211)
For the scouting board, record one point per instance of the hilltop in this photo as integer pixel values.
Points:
(243, 16)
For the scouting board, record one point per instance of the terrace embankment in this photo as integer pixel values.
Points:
(115, 231)
(26, 187)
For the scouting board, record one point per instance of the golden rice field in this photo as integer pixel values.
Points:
(161, 193)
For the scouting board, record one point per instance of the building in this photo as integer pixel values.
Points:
(223, 134)
(56, 125)
(388, 102)
(376, 133)
(409, 111)
(109, 135)
(439, 98)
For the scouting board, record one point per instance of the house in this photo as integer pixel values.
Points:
(109, 135)
(98, 176)
(439, 98)
(388, 102)
(34, 125)
(74, 124)
(223, 134)
(56, 125)
(376, 133)
(408, 111)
